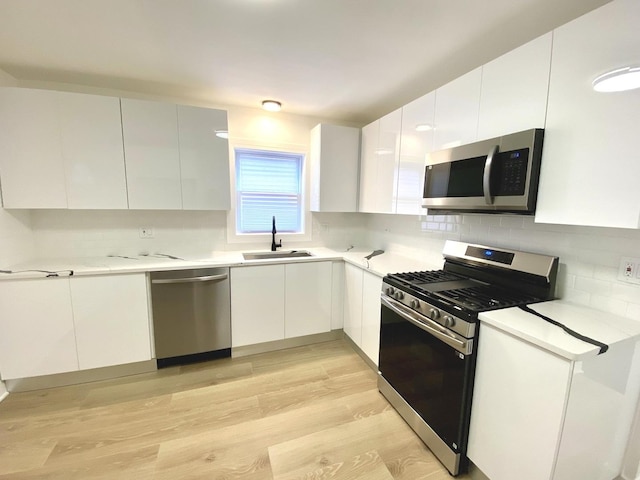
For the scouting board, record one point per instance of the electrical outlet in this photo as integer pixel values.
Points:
(146, 232)
(629, 270)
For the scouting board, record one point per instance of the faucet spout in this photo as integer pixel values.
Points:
(274, 245)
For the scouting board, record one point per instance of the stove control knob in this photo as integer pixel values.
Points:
(390, 291)
(415, 304)
(448, 321)
(434, 314)
(399, 295)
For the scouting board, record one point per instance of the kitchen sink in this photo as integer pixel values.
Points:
(269, 255)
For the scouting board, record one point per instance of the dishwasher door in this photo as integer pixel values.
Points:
(191, 315)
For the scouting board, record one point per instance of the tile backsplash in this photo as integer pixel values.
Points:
(589, 256)
(16, 238)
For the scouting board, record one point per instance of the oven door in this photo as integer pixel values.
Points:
(431, 369)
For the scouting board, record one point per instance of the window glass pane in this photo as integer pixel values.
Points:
(268, 184)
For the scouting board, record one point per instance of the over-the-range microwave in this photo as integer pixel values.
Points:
(499, 175)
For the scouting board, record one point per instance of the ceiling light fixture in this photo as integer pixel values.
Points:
(271, 105)
(222, 133)
(423, 127)
(619, 80)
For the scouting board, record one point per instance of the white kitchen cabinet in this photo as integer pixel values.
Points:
(204, 158)
(31, 158)
(37, 334)
(91, 133)
(371, 287)
(514, 90)
(257, 304)
(362, 309)
(334, 159)
(368, 167)
(307, 299)
(111, 318)
(457, 108)
(591, 162)
(416, 140)
(559, 419)
(152, 156)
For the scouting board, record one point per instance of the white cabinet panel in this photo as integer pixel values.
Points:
(334, 155)
(36, 328)
(353, 303)
(31, 160)
(150, 131)
(591, 162)
(257, 304)
(337, 295)
(415, 142)
(388, 152)
(457, 107)
(91, 133)
(371, 287)
(518, 407)
(307, 298)
(204, 159)
(368, 167)
(111, 319)
(514, 90)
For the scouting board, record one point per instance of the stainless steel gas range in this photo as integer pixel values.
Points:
(429, 330)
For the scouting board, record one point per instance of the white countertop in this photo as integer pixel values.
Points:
(604, 327)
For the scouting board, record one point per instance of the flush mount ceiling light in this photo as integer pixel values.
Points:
(423, 127)
(619, 80)
(222, 133)
(271, 105)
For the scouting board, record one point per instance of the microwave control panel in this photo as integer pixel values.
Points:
(510, 174)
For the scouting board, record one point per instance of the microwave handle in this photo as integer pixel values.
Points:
(486, 179)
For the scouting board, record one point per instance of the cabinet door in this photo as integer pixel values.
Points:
(36, 328)
(307, 298)
(457, 106)
(204, 159)
(387, 156)
(257, 304)
(91, 133)
(334, 155)
(518, 406)
(31, 161)
(514, 90)
(416, 141)
(371, 286)
(111, 318)
(591, 162)
(152, 159)
(368, 167)
(353, 303)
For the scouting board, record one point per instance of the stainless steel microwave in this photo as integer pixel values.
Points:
(499, 175)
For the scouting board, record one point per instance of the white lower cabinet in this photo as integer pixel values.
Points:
(274, 302)
(111, 318)
(37, 336)
(362, 310)
(57, 325)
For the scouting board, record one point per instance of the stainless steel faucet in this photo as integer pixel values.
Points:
(274, 245)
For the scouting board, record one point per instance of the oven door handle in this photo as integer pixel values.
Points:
(427, 325)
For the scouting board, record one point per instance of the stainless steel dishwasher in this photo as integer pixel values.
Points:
(191, 315)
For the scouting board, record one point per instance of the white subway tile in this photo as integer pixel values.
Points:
(593, 285)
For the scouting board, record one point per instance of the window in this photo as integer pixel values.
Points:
(268, 184)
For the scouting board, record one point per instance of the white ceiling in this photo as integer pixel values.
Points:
(342, 60)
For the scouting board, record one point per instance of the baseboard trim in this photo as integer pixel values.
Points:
(81, 376)
(286, 343)
(360, 352)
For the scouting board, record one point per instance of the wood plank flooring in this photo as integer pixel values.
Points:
(311, 412)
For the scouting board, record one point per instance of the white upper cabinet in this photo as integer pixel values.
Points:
(334, 168)
(591, 162)
(457, 108)
(416, 140)
(368, 167)
(388, 155)
(204, 158)
(92, 149)
(514, 90)
(152, 154)
(31, 160)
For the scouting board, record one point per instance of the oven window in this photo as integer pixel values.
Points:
(431, 376)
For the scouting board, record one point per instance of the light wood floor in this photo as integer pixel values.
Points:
(312, 412)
